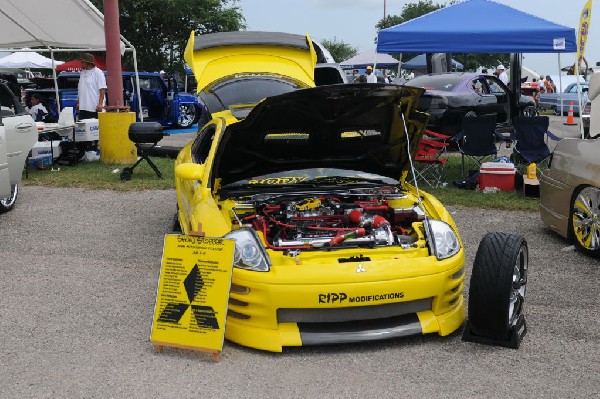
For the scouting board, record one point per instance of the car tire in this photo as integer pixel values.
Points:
(176, 225)
(188, 114)
(584, 220)
(497, 285)
(6, 204)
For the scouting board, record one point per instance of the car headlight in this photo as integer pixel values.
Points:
(442, 239)
(249, 253)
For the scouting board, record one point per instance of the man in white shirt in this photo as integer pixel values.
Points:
(371, 78)
(502, 74)
(91, 89)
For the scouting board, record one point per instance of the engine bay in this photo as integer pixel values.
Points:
(330, 221)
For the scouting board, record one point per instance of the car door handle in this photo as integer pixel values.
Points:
(24, 126)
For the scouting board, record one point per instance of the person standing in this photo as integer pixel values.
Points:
(91, 89)
(550, 86)
(502, 75)
(371, 78)
(541, 84)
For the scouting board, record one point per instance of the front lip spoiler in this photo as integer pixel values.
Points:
(346, 332)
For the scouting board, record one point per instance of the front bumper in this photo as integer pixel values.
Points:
(270, 316)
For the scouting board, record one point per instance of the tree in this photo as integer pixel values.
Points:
(413, 10)
(339, 50)
(409, 11)
(159, 29)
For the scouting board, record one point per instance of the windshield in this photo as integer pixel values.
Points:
(436, 82)
(314, 177)
(250, 89)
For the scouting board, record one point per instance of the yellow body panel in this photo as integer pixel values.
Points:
(212, 64)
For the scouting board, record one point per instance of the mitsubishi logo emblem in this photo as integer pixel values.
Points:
(360, 269)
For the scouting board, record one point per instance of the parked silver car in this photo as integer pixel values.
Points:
(18, 133)
(551, 101)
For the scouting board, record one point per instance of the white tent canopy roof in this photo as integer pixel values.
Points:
(64, 24)
(27, 59)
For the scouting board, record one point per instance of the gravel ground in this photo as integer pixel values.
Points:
(78, 274)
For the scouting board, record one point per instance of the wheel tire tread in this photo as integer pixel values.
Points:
(491, 282)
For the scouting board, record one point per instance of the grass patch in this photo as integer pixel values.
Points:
(100, 176)
(451, 195)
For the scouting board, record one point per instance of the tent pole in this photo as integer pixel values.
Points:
(560, 87)
(579, 94)
(398, 74)
(137, 77)
(137, 84)
(375, 63)
(55, 82)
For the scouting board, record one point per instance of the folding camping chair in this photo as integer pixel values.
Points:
(431, 157)
(477, 141)
(531, 134)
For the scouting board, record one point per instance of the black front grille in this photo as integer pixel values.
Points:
(336, 315)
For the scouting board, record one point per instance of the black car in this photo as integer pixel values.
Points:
(452, 96)
(10, 79)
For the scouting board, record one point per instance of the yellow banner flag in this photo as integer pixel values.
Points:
(584, 27)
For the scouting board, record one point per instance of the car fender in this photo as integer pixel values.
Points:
(4, 176)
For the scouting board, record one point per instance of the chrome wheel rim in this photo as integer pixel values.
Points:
(8, 202)
(186, 115)
(586, 218)
(519, 286)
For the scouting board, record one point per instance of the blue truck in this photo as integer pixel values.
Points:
(162, 99)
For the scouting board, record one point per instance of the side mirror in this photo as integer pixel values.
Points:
(190, 171)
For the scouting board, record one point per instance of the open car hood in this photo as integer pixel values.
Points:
(349, 126)
(213, 57)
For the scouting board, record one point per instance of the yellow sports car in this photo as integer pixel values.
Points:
(332, 244)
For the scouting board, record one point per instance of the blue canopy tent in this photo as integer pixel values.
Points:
(372, 58)
(420, 62)
(477, 26)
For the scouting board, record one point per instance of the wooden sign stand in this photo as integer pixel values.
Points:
(160, 345)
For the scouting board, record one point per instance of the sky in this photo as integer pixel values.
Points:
(353, 22)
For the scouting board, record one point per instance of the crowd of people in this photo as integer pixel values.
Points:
(369, 76)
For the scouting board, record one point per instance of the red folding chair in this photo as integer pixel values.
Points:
(431, 157)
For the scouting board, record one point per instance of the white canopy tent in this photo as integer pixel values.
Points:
(55, 26)
(28, 59)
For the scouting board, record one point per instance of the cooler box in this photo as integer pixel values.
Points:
(40, 161)
(43, 148)
(497, 174)
(87, 130)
